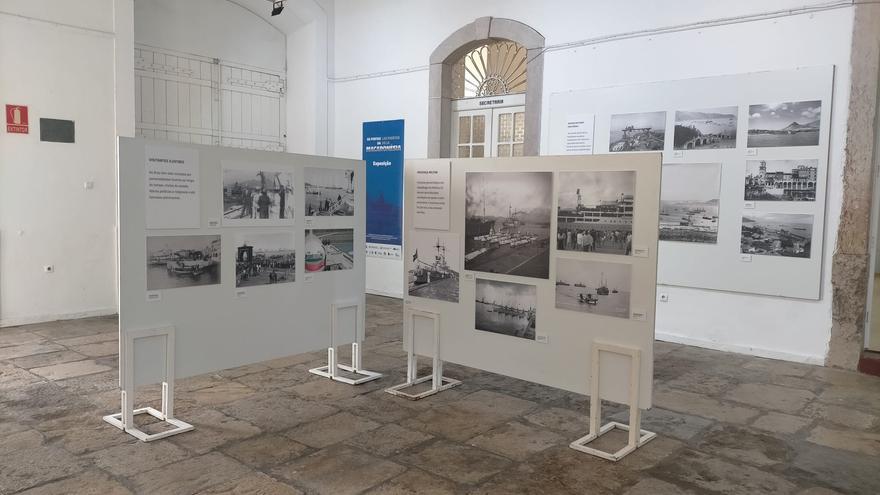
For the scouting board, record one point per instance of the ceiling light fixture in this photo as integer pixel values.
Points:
(277, 7)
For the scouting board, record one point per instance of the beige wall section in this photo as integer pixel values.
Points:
(849, 275)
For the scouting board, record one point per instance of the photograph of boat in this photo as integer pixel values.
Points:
(257, 197)
(781, 180)
(792, 123)
(182, 261)
(595, 211)
(434, 262)
(329, 250)
(602, 288)
(689, 202)
(705, 129)
(637, 132)
(777, 234)
(507, 224)
(264, 259)
(329, 192)
(505, 307)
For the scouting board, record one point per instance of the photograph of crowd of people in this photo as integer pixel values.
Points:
(257, 197)
(595, 211)
(263, 259)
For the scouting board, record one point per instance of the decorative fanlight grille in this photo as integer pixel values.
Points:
(496, 68)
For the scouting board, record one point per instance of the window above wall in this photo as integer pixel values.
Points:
(495, 68)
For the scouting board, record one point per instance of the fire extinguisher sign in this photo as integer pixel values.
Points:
(17, 119)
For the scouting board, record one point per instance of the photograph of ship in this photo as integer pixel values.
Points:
(507, 225)
(704, 129)
(593, 287)
(637, 131)
(182, 261)
(329, 191)
(595, 211)
(781, 180)
(777, 234)
(506, 308)
(794, 123)
(689, 202)
(433, 271)
(257, 196)
(329, 250)
(263, 259)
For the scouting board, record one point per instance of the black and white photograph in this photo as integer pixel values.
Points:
(329, 192)
(705, 129)
(792, 123)
(689, 202)
(507, 308)
(264, 259)
(329, 250)
(257, 197)
(593, 287)
(507, 225)
(595, 211)
(434, 266)
(177, 261)
(777, 234)
(781, 180)
(637, 132)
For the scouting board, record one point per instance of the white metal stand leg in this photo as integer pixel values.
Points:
(438, 381)
(636, 435)
(124, 420)
(331, 370)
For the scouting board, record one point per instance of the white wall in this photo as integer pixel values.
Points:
(776, 327)
(47, 217)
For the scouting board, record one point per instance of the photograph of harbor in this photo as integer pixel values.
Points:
(704, 129)
(329, 192)
(177, 261)
(505, 307)
(593, 287)
(689, 202)
(595, 211)
(507, 225)
(793, 123)
(781, 180)
(264, 259)
(637, 132)
(329, 250)
(257, 197)
(433, 271)
(777, 234)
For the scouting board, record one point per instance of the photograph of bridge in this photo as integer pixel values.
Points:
(793, 123)
(329, 191)
(595, 211)
(506, 308)
(637, 132)
(781, 180)
(434, 265)
(264, 259)
(707, 128)
(689, 202)
(257, 197)
(777, 234)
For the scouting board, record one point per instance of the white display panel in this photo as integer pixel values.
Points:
(219, 325)
(559, 355)
(722, 265)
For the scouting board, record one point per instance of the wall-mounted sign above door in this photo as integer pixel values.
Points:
(17, 119)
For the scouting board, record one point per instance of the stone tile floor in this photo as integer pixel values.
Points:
(728, 424)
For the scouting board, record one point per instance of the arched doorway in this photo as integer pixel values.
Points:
(485, 91)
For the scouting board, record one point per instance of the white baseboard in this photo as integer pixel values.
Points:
(383, 293)
(740, 349)
(29, 320)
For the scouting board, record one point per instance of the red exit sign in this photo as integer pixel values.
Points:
(17, 119)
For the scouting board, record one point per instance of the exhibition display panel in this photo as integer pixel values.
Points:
(744, 177)
(229, 257)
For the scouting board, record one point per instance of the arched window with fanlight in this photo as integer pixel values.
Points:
(487, 102)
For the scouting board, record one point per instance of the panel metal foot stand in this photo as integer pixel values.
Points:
(636, 435)
(438, 381)
(125, 420)
(339, 338)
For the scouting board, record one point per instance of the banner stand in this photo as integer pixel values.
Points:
(124, 420)
(438, 381)
(637, 436)
(331, 370)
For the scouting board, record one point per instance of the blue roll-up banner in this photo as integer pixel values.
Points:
(383, 152)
